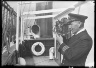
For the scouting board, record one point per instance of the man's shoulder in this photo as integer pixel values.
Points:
(85, 35)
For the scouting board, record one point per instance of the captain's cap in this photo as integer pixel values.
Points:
(77, 17)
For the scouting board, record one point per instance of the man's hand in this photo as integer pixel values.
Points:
(59, 38)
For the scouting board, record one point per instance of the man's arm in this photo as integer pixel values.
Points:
(62, 39)
(63, 47)
(77, 50)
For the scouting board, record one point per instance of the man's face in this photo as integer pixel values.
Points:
(75, 26)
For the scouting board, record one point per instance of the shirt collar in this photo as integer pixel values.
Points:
(80, 30)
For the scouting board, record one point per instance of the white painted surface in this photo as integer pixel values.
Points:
(51, 51)
(21, 61)
(17, 27)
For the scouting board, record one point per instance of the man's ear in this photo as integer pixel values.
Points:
(79, 23)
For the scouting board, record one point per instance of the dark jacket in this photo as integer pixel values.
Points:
(80, 45)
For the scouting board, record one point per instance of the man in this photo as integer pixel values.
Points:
(76, 50)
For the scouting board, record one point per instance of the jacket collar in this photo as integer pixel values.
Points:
(80, 31)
